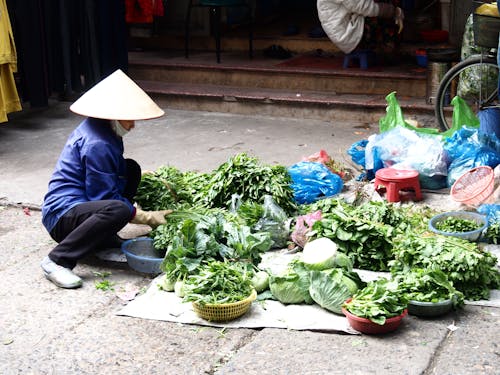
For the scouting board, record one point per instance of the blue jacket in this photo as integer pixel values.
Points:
(91, 167)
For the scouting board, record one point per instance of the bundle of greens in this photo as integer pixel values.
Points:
(167, 188)
(457, 225)
(365, 233)
(250, 212)
(250, 179)
(378, 301)
(492, 234)
(367, 243)
(164, 234)
(428, 285)
(202, 238)
(471, 270)
(401, 217)
(218, 282)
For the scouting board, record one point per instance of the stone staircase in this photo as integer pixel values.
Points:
(310, 89)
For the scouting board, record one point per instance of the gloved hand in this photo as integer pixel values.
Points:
(151, 218)
(398, 18)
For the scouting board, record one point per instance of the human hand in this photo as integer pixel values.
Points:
(398, 18)
(151, 218)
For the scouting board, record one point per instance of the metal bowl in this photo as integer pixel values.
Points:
(429, 309)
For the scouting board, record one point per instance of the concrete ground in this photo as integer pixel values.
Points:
(48, 330)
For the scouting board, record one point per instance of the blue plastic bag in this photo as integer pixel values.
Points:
(468, 148)
(313, 180)
(489, 120)
(492, 212)
(357, 152)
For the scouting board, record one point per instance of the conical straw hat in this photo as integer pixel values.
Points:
(117, 97)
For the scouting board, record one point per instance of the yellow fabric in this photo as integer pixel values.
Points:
(9, 98)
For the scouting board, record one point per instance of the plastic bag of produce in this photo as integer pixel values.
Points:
(405, 149)
(303, 226)
(394, 118)
(313, 180)
(275, 221)
(469, 148)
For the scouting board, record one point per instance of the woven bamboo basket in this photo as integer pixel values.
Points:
(225, 311)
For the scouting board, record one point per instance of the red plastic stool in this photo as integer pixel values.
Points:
(397, 181)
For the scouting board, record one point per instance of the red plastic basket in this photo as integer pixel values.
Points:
(474, 186)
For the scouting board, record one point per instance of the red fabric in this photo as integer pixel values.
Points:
(158, 10)
(139, 11)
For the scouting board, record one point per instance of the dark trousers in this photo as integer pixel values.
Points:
(91, 226)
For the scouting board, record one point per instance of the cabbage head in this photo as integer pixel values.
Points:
(288, 288)
(329, 289)
(320, 254)
(260, 281)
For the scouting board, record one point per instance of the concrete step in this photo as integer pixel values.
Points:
(268, 87)
(283, 103)
(302, 72)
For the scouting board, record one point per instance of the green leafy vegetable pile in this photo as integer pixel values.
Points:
(368, 243)
(471, 270)
(492, 234)
(167, 188)
(202, 238)
(250, 179)
(242, 175)
(366, 232)
(218, 282)
(378, 301)
(428, 285)
(457, 225)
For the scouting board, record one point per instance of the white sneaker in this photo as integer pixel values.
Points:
(61, 276)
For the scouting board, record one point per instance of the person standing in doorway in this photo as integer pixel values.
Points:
(373, 24)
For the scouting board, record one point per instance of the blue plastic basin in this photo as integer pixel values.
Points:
(141, 256)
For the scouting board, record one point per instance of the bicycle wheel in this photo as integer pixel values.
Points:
(479, 74)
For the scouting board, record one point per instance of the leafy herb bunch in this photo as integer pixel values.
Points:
(202, 238)
(167, 188)
(250, 179)
(219, 282)
(366, 232)
(428, 285)
(471, 270)
(378, 301)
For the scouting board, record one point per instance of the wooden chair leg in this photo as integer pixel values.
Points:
(250, 32)
(217, 21)
(186, 30)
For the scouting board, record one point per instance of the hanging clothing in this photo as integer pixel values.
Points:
(158, 8)
(66, 47)
(139, 11)
(9, 98)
